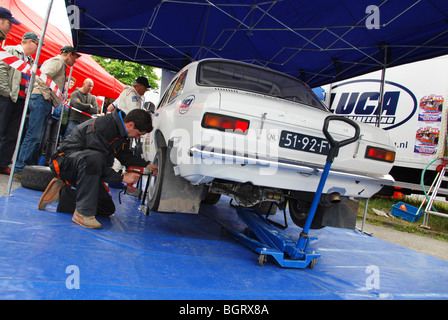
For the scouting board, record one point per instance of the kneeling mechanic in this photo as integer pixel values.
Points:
(83, 163)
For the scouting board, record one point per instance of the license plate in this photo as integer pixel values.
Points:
(302, 142)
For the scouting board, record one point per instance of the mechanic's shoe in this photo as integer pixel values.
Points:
(85, 221)
(51, 193)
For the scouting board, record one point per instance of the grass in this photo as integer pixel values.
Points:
(438, 225)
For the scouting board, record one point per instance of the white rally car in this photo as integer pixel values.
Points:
(226, 127)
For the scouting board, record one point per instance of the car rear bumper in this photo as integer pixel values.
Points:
(280, 173)
(299, 167)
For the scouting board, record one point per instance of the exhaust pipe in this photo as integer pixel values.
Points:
(335, 197)
(331, 198)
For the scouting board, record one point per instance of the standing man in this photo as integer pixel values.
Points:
(41, 102)
(131, 97)
(6, 20)
(66, 110)
(13, 90)
(83, 161)
(84, 101)
(52, 129)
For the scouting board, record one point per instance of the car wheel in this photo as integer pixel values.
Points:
(155, 182)
(299, 209)
(36, 177)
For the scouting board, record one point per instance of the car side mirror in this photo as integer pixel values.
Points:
(149, 106)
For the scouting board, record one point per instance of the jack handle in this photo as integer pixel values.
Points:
(335, 145)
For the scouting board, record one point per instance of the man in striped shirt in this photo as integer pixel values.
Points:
(42, 99)
(13, 88)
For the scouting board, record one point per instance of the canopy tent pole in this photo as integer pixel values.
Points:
(380, 103)
(383, 81)
(27, 100)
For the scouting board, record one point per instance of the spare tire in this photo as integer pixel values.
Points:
(36, 177)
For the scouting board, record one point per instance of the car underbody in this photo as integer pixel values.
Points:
(269, 200)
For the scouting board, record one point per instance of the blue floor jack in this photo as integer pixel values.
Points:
(265, 239)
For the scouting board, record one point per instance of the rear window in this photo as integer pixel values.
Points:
(234, 75)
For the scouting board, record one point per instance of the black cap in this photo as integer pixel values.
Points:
(143, 81)
(6, 14)
(32, 36)
(67, 49)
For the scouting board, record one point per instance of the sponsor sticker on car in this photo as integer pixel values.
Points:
(186, 104)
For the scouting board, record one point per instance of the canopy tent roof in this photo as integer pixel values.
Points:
(318, 42)
(105, 84)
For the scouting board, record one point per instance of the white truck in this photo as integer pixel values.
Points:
(414, 96)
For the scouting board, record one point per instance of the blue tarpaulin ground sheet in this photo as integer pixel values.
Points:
(44, 255)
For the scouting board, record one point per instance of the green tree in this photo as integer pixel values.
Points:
(127, 71)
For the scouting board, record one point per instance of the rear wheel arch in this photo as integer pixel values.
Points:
(160, 140)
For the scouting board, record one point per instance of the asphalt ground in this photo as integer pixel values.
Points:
(427, 245)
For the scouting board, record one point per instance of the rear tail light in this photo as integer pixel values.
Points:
(380, 154)
(225, 123)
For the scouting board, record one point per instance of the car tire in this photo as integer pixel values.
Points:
(299, 210)
(155, 182)
(36, 177)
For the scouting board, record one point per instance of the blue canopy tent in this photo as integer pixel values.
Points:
(318, 42)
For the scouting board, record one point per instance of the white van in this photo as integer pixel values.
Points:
(414, 95)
